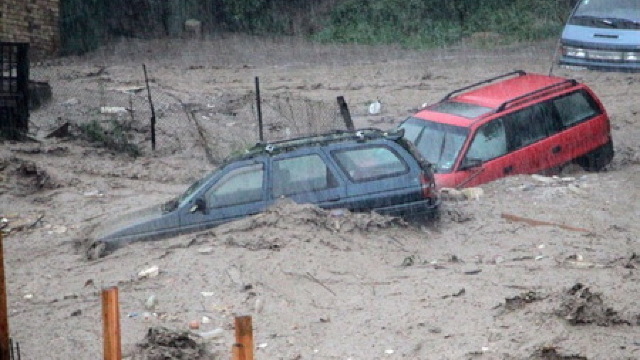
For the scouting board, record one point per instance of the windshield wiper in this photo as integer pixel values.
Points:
(594, 19)
(624, 21)
(611, 22)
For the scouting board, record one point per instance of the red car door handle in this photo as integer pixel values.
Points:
(508, 169)
(556, 149)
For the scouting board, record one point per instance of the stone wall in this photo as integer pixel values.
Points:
(32, 21)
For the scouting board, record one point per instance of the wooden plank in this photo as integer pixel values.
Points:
(534, 222)
(237, 352)
(111, 324)
(5, 349)
(244, 336)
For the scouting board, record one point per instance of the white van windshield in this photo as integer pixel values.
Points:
(626, 10)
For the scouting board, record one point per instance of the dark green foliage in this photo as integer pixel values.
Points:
(114, 138)
(428, 23)
(82, 25)
(85, 24)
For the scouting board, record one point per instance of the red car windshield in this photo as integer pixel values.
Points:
(438, 143)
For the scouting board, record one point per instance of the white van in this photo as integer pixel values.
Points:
(603, 34)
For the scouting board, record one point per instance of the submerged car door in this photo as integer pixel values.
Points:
(521, 142)
(584, 124)
(534, 141)
(239, 190)
(489, 148)
(306, 176)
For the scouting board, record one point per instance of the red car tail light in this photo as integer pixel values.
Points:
(428, 186)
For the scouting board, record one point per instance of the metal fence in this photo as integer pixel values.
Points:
(14, 93)
(187, 119)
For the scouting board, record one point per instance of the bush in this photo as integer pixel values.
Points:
(432, 23)
(116, 138)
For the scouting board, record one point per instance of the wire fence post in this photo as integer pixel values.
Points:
(153, 112)
(346, 115)
(5, 346)
(111, 324)
(259, 107)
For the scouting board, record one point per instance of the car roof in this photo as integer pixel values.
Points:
(324, 139)
(496, 95)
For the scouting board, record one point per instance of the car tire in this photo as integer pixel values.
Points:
(598, 159)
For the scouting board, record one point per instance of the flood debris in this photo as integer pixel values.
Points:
(162, 343)
(520, 301)
(61, 131)
(286, 214)
(36, 177)
(452, 194)
(633, 262)
(534, 222)
(552, 353)
(580, 306)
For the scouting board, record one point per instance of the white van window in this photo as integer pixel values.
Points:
(607, 14)
(490, 141)
(575, 108)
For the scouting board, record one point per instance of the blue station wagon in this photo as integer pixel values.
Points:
(365, 170)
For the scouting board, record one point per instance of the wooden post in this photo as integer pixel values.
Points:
(346, 115)
(111, 324)
(244, 337)
(237, 352)
(5, 348)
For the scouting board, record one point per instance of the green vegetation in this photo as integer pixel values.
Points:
(86, 24)
(116, 138)
(433, 23)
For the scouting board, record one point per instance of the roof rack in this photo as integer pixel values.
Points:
(324, 138)
(539, 92)
(516, 72)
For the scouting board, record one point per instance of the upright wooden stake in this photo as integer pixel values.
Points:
(237, 352)
(244, 336)
(5, 348)
(111, 324)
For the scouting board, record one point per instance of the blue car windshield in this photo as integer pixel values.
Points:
(439, 143)
(188, 194)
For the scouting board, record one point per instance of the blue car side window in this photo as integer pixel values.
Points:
(240, 186)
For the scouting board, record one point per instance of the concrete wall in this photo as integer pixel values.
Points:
(32, 21)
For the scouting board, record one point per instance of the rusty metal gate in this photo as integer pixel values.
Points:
(14, 89)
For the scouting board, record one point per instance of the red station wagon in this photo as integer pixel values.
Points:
(518, 123)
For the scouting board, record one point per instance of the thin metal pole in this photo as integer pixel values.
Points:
(259, 107)
(5, 352)
(153, 111)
